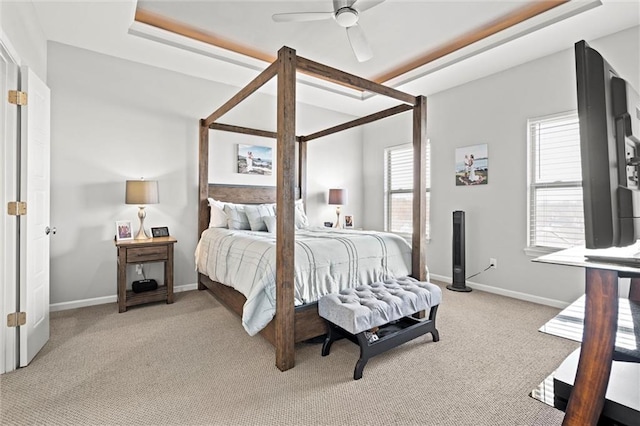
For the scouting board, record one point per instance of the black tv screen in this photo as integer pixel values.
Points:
(609, 115)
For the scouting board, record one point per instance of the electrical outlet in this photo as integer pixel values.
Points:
(139, 269)
(493, 262)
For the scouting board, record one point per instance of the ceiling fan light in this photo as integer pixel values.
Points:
(346, 17)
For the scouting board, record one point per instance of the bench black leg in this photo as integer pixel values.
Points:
(332, 336)
(432, 317)
(357, 373)
(364, 356)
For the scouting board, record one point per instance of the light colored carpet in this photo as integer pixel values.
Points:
(192, 363)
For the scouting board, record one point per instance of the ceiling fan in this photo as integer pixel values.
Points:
(346, 13)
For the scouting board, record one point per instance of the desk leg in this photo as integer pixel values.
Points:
(168, 273)
(122, 280)
(598, 340)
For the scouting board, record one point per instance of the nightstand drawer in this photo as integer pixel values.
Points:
(144, 254)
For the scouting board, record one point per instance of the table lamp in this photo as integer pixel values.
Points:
(338, 197)
(142, 192)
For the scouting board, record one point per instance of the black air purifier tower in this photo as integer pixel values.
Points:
(459, 280)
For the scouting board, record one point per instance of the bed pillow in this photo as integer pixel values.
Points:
(217, 216)
(236, 217)
(270, 221)
(302, 221)
(256, 214)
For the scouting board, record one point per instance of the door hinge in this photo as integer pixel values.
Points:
(17, 208)
(17, 97)
(16, 319)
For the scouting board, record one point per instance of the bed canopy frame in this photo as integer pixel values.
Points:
(294, 324)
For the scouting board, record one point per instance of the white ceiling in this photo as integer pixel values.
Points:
(398, 30)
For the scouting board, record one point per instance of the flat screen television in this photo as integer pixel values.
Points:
(609, 115)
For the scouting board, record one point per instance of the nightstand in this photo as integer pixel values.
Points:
(145, 251)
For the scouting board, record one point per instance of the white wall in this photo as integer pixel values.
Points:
(493, 110)
(20, 23)
(114, 120)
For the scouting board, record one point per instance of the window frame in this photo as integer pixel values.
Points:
(534, 247)
(389, 192)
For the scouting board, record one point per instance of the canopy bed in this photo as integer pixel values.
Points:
(292, 324)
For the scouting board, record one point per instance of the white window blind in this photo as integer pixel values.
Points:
(398, 185)
(556, 218)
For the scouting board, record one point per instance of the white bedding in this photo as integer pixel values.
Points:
(326, 261)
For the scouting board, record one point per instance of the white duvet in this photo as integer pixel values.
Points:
(326, 261)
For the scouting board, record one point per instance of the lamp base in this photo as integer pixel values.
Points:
(337, 225)
(141, 235)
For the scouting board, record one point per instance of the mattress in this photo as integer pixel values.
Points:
(326, 261)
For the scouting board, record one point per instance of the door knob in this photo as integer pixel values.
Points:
(48, 230)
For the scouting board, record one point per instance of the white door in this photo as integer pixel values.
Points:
(34, 226)
(8, 192)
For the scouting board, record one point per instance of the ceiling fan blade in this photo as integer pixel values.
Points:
(359, 43)
(302, 16)
(362, 5)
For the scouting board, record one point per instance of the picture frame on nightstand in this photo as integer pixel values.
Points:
(162, 231)
(348, 221)
(123, 230)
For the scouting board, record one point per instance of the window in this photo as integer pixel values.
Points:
(398, 189)
(556, 218)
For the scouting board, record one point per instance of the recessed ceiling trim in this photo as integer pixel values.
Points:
(529, 18)
(157, 28)
(514, 32)
(159, 21)
(169, 38)
(530, 10)
(179, 41)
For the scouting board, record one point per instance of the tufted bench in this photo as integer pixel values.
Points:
(377, 317)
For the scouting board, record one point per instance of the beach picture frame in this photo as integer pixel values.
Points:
(472, 165)
(254, 160)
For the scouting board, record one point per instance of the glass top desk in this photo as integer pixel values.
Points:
(599, 332)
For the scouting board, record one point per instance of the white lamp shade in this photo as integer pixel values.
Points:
(142, 192)
(338, 196)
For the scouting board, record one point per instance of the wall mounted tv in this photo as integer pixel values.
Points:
(609, 115)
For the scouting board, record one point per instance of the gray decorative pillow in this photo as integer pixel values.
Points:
(236, 217)
(270, 221)
(256, 214)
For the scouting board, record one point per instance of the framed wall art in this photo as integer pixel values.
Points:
(255, 160)
(472, 165)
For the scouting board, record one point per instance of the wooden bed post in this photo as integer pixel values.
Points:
(203, 183)
(203, 178)
(418, 252)
(302, 171)
(285, 210)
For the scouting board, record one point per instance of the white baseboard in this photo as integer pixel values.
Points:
(509, 293)
(187, 287)
(54, 307)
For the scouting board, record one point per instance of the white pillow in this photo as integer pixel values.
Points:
(236, 217)
(302, 221)
(256, 214)
(270, 221)
(217, 216)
